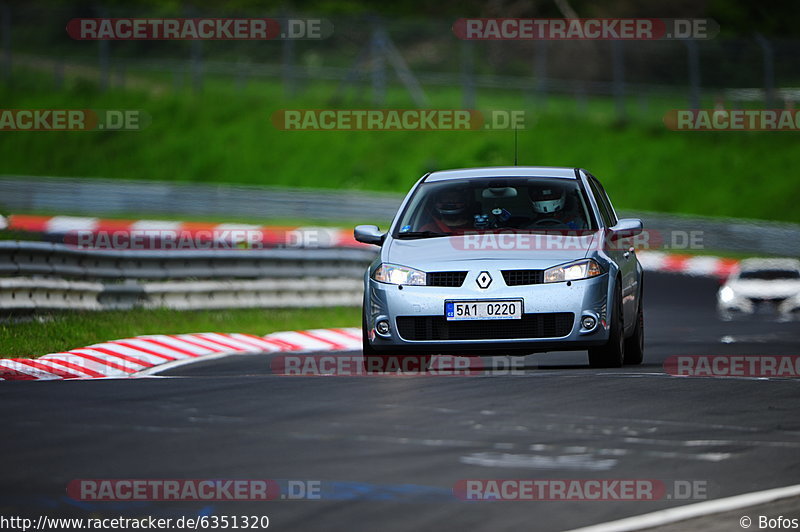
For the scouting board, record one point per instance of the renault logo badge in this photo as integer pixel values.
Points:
(484, 280)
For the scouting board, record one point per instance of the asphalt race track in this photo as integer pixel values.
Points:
(388, 450)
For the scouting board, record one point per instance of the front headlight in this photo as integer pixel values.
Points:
(581, 269)
(726, 294)
(394, 274)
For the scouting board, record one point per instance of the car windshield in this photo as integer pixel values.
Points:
(470, 205)
(770, 275)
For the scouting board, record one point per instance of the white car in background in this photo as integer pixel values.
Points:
(761, 286)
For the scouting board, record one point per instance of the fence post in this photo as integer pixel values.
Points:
(769, 70)
(121, 76)
(197, 65)
(287, 67)
(58, 73)
(6, 29)
(581, 99)
(378, 66)
(195, 70)
(694, 74)
(618, 69)
(540, 71)
(104, 64)
(468, 74)
(241, 75)
(104, 56)
(644, 102)
(177, 77)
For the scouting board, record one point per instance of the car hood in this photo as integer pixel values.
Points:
(764, 289)
(532, 252)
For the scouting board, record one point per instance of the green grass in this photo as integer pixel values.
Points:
(224, 135)
(54, 332)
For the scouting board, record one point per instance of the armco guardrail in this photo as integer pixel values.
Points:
(96, 197)
(41, 275)
(44, 258)
(25, 293)
(725, 234)
(99, 197)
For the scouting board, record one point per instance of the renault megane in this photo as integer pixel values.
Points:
(507, 260)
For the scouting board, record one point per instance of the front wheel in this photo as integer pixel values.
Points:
(634, 346)
(371, 357)
(612, 354)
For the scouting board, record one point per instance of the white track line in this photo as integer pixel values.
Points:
(690, 511)
(155, 370)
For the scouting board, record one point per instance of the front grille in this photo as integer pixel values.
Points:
(521, 277)
(446, 278)
(771, 300)
(543, 325)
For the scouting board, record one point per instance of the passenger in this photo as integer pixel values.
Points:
(451, 212)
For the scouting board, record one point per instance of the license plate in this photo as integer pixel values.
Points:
(484, 309)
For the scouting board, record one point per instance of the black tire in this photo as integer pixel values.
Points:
(371, 357)
(375, 362)
(634, 346)
(612, 354)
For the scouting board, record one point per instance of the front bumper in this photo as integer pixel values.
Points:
(740, 307)
(587, 297)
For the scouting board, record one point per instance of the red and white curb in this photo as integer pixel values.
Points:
(140, 355)
(697, 265)
(90, 229)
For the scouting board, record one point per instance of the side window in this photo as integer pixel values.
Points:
(607, 201)
(602, 203)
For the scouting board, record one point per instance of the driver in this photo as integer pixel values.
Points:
(451, 211)
(550, 208)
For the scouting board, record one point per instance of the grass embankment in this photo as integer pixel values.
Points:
(225, 135)
(62, 331)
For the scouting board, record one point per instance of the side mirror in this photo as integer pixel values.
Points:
(369, 234)
(626, 228)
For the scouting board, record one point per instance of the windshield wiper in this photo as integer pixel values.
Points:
(421, 234)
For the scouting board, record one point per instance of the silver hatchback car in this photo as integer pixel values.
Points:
(505, 261)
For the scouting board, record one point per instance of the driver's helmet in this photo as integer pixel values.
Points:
(451, 203)
(548, 199)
